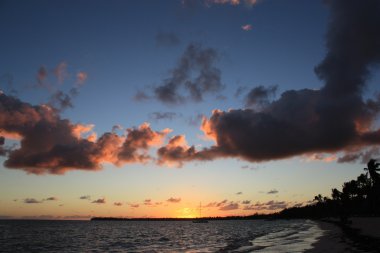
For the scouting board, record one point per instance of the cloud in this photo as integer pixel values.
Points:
(321, 157)
(194, 76)
(32, 201)
(239, 193)
(217, 204)
(42, 74)
(148, 202)
(246, 27)
(260, 96)
(247, 167)
(61, 101)
(141, 96)
(300, 122)
(229, 207)
(248, 3)
(99, 201)
(117, 204)
(51, 199)
(140, 139)
(246, 202)
(60, 72)
(167, 39)
(86, 197)
(81, 77)
(276, 205)
(175, 152)
(134, 205)
(53, 145)
(364, 156)
(163, 115)
(3, 151)
(269, 206)
(174, 200)
(273, 191)
(116, 128)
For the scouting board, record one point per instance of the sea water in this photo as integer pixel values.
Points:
(158, 236)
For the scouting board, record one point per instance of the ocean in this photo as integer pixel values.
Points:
(158, 236)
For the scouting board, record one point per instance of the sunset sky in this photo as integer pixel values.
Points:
(147, 108)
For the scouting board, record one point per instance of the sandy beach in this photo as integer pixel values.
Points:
(362, 235)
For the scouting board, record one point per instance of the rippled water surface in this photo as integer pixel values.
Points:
(158, 236)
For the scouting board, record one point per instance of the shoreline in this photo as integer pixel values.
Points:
(361, 235)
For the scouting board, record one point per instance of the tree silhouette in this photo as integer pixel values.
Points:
(358, 197)
(372, 168)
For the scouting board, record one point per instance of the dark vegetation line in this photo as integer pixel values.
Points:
(360, 197)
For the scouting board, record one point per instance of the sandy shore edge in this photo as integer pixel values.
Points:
(361, 235)
(331, 240)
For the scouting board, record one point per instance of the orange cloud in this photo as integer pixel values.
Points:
(99, 201)
(81, 77)
(174, 200)
(53, 145)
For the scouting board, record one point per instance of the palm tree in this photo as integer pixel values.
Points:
(372, 168)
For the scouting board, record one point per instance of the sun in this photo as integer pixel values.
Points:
(186, 213)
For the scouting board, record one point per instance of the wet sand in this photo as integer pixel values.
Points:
(362, 235)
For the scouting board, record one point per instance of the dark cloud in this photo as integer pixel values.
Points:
(134, 205)
(61, 101)
(86, 197)
(194, 76)
(174, 200)
(116, 128)
(250, 208)
(364, 156)
(2, 149)
(276, 205)
(331, 119)
(260, 96)
(163, 115)
(248, 167)
(32, 201)
(239, 193)
(51, 199)
(141, 96)
(148, 202)
(229, 207)
(117, 204)
(41, 77)
(271, 205)
(217, 204)
(99, 201)
(49, 144)
(273, 191)
(240, 90)
(175, 152)
(246, 202)
(167, 39)
(139, 139)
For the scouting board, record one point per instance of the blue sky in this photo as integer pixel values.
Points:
(116, 44)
